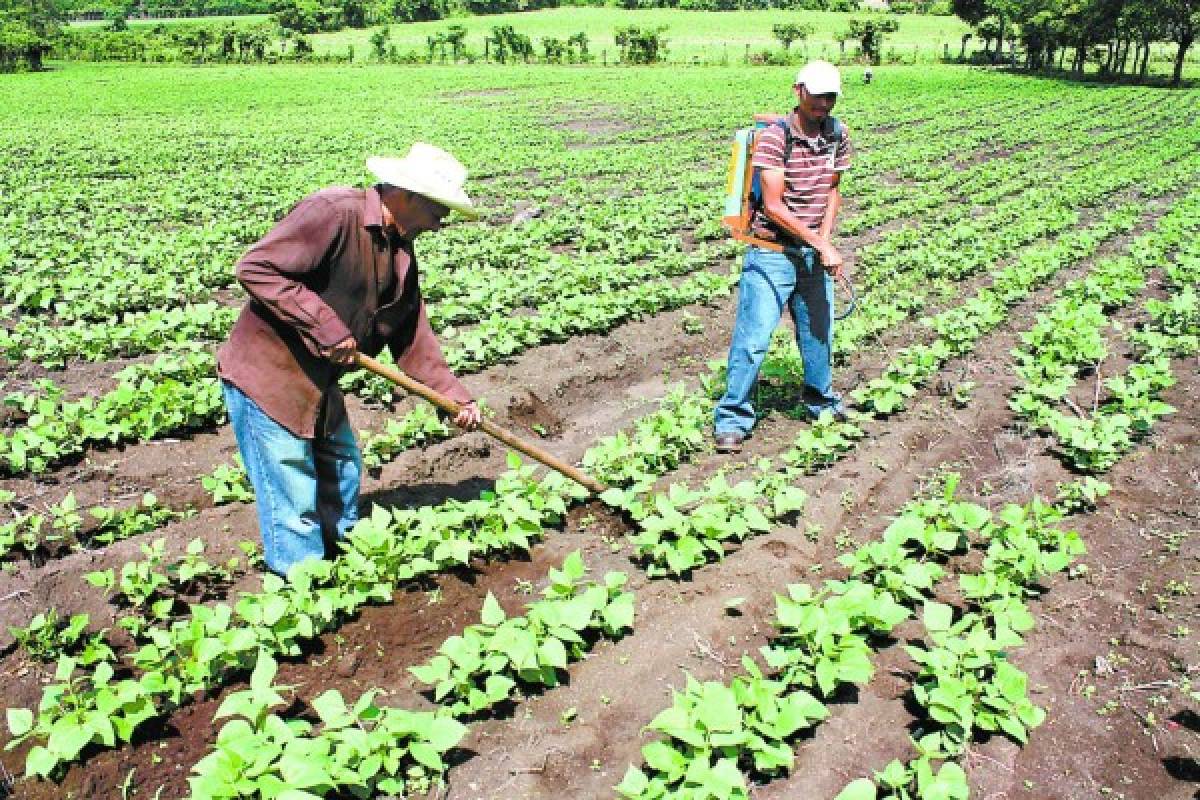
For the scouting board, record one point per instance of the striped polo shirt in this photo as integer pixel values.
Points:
(808, 175)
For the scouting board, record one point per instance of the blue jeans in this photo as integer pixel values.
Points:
(306, 491)
(770, 281)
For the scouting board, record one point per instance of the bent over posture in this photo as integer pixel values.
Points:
(800, 167)
(337, 275)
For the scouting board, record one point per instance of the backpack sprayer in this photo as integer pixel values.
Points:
(743, 191)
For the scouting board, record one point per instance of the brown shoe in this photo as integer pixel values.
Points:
(729, 442)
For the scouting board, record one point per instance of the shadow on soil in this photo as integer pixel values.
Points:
(428, 493)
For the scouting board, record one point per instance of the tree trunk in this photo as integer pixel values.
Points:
(1145, 60)
(1184, 44)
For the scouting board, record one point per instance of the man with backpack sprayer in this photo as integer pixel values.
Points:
(791, 261)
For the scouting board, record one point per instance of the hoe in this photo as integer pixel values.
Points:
(495, 431)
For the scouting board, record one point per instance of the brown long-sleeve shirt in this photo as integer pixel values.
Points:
(327, 271)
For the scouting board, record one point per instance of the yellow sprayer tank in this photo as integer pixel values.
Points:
(739, 172)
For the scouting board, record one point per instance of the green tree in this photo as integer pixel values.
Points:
(505, 42)
(641, 45)
(416, 10)
(433, 42)
(578, 43)
(1181, 21)
(789, 32)
(554, 49)
(456, 37)
(379, 41)
(869, 32)
(116, 20)
(354, 13)
(987, 17)
(228, 39)
(27, 30)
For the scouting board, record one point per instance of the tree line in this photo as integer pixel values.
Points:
(1113, 35)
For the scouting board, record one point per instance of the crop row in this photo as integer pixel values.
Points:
(173, 394)
(901, 273)
(49, 437)
(959, 328)
(1069, 337)
(640, 220)
(714, 735)
(366, 749)
(177, 393)
(61, 524)
(210, 644)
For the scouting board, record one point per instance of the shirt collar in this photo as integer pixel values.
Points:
(817, 141)
(372, 208)
(373, 213)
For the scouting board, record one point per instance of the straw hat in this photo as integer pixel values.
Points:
(430, 172)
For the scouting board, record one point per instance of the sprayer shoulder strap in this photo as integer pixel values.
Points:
(786, 124)
(833, 127)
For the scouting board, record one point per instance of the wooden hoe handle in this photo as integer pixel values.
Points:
(491, 429)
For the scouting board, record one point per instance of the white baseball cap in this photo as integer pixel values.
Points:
(820, 77)
(430, 172)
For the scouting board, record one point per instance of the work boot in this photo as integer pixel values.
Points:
(730, 442)
(838, 412)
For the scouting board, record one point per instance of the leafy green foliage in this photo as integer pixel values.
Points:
(1069, 335)
(681, 529)
(480, 668)
(47, 638)
(711, 728)
(229, 483)
(360, 749)
(420, 426)
(821, 640)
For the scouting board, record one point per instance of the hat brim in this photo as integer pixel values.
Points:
(461, 204)
(402, 179)
(820, 88)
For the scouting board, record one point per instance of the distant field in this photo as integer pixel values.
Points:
(691, 35)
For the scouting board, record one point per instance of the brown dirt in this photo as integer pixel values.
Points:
(1104, 643)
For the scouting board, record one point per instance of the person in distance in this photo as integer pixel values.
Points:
(800, 169)
(337, 275)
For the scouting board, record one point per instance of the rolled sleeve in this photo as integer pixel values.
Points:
(424, 361)
(272, 269)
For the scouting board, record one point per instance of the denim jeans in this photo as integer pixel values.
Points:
(306, 491)
(770, 281)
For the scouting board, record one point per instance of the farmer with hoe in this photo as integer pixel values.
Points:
(799, 169)
(335, 277)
